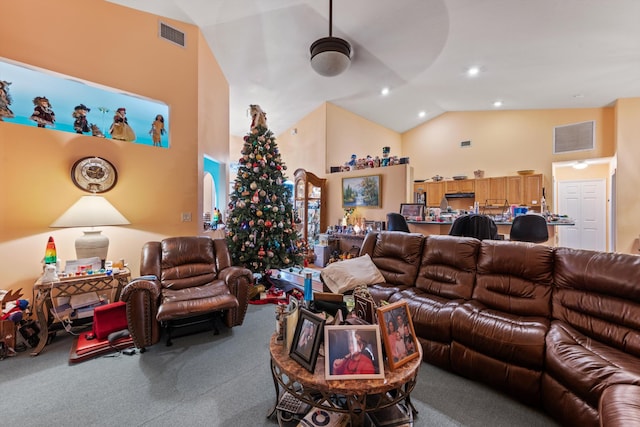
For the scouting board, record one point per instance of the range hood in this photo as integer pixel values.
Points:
(460, 195)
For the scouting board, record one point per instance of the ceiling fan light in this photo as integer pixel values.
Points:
(330, 56)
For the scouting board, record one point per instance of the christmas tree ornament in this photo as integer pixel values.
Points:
(255, 198)
(253, 185)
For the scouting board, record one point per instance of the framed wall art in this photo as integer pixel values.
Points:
(397, 332)
(363, 191)
(353, 352)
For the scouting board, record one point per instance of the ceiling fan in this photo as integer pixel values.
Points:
(330, 56)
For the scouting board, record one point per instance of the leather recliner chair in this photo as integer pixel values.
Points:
(184, 279)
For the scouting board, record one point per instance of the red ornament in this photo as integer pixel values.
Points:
(268, 224)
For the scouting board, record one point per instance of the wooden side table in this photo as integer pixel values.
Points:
(44, 293)
(357, 397)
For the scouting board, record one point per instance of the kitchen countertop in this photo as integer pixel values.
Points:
(552, 223)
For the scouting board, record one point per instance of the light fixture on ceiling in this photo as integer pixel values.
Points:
(580, 164)
(497, 104)
(384, 91)
(91, 211)
(473, 71)
(422, 114)
(330, 56)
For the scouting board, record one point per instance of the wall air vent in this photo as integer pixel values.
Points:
(465, 144)
(574, 137)
(172, 34)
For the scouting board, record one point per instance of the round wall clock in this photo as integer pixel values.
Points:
(94, 174)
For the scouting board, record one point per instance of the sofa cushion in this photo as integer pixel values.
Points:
(448, 266)
(515, 277)
(396, 254)
(598, 294)
(187, 302)
(343, 276)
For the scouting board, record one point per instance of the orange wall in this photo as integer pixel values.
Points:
(119, 48)
(628, 175)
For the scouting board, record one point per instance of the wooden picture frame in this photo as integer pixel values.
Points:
(362, 191)
(412, 211)
(365, 308)
(353, 352)
(306, 339)
(398, 334)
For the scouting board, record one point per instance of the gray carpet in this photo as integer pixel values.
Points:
(208, 380)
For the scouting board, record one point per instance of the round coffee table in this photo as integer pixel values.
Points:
(354, 397)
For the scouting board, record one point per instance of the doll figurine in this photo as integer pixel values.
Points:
(5, 100)
(157, 130)
(120, 128)
(80, 124)
(42, 113)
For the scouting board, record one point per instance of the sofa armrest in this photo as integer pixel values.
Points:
(619, 406)
(142, 298)
(239, 280)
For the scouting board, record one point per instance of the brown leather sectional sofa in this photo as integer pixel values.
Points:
(557, 328)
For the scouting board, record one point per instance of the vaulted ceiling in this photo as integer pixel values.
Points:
(531, 54)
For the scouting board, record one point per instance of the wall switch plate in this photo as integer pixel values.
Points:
(186, 216)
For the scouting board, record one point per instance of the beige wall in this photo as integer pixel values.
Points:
(348, 134)
(394, 182)
(502, 142)
(154, 185)
(627, 129)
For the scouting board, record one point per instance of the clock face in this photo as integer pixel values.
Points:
(94, 174)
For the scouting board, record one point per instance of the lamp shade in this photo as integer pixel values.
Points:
(91, 211)
(330, 56)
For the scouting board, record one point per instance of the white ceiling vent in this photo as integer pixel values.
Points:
(574, 137)
(172, 34)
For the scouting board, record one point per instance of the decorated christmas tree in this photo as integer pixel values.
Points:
(260, 229)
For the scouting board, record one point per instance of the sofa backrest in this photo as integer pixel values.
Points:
(448, 266)
(396, 254)
(180, 262)
(515, 277)
(598, 294)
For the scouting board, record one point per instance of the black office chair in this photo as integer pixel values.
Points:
(396, 222)
(479, 226)
(529, 228)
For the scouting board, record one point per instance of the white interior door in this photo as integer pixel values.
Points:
(585, 202)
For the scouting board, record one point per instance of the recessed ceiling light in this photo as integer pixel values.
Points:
(385, 91)
(578, 95)
(580, 164)
(473, 71)
(421, 114)
(497, 104)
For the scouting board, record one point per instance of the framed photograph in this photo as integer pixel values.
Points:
(306, 339)
(412, 211)
(353, 352)
(361, 191)
(397, 332)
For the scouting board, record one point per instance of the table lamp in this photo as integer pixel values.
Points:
(91, 211)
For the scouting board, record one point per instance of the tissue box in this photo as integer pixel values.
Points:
(322, 255)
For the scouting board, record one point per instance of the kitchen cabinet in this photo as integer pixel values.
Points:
(459, 186)
(482, 190)
(532, 190)
(498, 189)
(513, 189)
(435, 193)
(310, 200)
